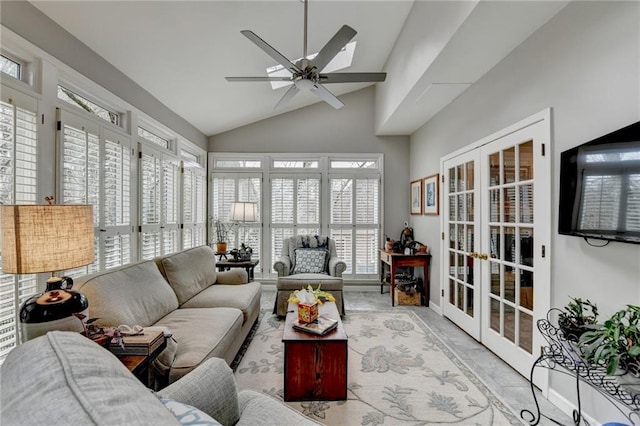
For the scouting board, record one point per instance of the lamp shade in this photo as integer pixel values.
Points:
(243, 212)
(46, 238)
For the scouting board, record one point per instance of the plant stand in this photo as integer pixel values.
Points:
(563, 356)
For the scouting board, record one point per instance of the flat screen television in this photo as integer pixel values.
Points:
(600, 187)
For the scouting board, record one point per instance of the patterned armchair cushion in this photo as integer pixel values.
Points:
(306, 241)
(310, 260)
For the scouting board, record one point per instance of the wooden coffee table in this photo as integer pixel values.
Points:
(315, 367)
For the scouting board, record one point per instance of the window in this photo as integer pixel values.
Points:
(152, 137)
(18, 180)
(194, 217)
(354, 222)
(227, 189)
(85, 104)
(279, 164)
(308, 194)
(159, 174)
(96, 170)
(10, 67)
(295, 208)
(237, 164)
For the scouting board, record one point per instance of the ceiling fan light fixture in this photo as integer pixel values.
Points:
(304, 84)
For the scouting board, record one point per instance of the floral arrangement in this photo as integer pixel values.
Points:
(102, 336)
(320, 295)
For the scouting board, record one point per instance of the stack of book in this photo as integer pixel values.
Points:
(144, 343)
(321, 326)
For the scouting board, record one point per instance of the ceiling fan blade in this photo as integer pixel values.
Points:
(333, 46)
(287, 64)
(242, 79)
(353, 77)
(326, 95)
(286, 97)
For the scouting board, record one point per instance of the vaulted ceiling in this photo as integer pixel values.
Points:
(180, 51)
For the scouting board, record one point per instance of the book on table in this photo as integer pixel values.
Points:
(321, 326)
(144, 343)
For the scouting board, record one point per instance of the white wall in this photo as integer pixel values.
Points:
(321, 129)
(585, 65)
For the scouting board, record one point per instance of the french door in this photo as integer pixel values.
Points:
(497, 227)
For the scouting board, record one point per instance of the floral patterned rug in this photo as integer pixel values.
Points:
(399, 373)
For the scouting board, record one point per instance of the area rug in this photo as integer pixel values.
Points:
(399, 373)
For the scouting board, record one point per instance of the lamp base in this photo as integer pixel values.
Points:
(53, 309)
(71, 323)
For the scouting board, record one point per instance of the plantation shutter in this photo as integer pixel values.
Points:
(295, 208)
(18, 183)
(354, 222)
(193, 207)
(159, 174)
(81, 173)
(96, 170)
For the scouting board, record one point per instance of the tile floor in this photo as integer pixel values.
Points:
(506, 382)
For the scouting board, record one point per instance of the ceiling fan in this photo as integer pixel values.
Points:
(307, 74)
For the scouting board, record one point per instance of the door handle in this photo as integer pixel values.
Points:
(483, 256)
(474, 255)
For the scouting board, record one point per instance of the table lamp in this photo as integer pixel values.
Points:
(243, 212)
(48, 238)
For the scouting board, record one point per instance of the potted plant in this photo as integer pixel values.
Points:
(577, 317)
(616, 344)
(221, 237)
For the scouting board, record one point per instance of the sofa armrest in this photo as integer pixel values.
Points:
(233, 276)
(211, 388)
(282, 266)
(336, 267)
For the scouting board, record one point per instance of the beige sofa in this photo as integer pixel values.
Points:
(64, 378)
(209, 313)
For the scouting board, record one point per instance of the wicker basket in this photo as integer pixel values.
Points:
(405, 299)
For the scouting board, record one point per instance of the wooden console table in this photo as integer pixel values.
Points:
(399, 260)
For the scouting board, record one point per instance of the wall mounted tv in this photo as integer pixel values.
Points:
(600, 187)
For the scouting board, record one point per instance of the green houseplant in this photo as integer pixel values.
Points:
(577, 317)
(616, 343)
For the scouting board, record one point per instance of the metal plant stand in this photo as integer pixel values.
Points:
(563, 355)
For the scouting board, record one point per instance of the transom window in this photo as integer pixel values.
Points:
(280, 164)
(10, 67)
(79, 101)
(152, 137)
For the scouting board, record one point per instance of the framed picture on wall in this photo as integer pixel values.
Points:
(416, 196)
(431, 188)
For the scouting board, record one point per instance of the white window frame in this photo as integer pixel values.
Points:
(267, 171)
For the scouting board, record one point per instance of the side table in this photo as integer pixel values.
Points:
(139, 364)
(248, 265)
(398, 260)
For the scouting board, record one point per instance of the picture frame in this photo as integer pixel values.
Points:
(431, 196)
(415, 193)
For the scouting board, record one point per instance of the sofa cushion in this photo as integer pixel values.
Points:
(245, 297)
(134, 294)
(64, 378)
(201, 333)
(190, 271)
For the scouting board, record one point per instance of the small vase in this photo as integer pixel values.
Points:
(221, 247)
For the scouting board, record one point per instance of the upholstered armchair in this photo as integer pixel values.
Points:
(308, 259)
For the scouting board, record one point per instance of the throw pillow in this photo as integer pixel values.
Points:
(188, 415)
(310, 260)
